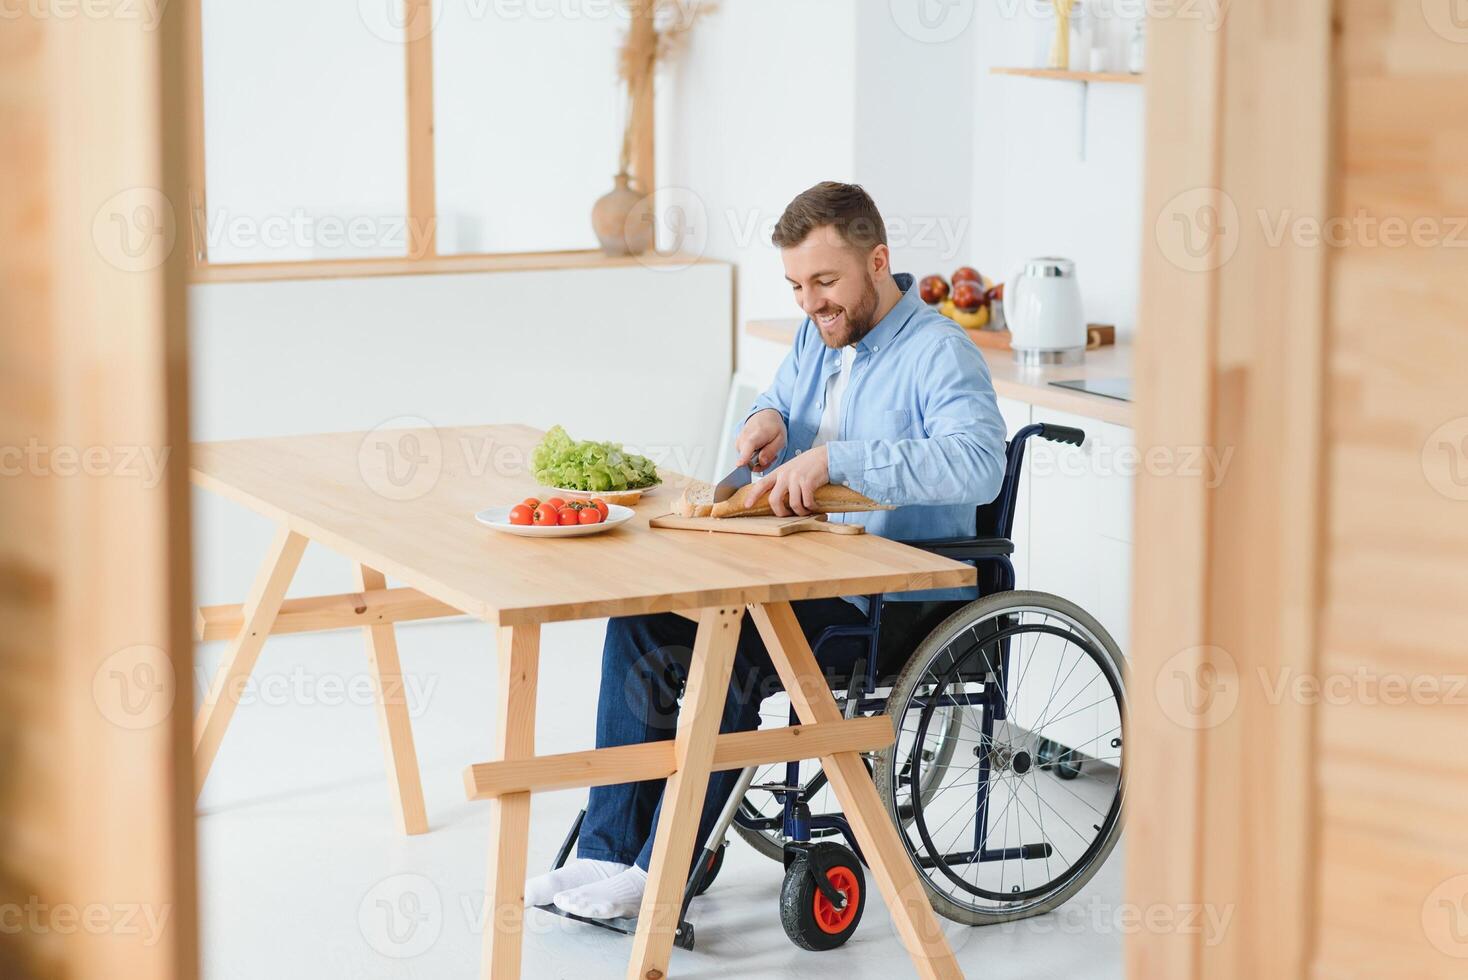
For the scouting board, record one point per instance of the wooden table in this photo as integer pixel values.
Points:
(401, 504)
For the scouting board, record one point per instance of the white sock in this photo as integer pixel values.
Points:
(576, 872)
(615, 898)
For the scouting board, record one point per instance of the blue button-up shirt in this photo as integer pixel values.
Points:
(919, 427)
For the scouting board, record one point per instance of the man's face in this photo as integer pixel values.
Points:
(835, 284)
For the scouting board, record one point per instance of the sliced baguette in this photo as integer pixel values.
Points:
(833, 498)
(697, 500)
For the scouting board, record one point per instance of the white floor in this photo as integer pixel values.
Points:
(304, 875)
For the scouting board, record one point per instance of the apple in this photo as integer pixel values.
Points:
(933, 290)
(968, 295)
(967, 273)
(996, 294)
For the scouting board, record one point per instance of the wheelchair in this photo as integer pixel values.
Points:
(1005, 778)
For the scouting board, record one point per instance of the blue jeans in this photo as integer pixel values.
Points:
(644, 666)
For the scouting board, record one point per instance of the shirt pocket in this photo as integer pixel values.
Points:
(894, 423)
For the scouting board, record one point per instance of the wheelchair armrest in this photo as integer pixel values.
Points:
(963, 549)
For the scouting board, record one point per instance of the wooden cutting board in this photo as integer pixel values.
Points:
(776, 527)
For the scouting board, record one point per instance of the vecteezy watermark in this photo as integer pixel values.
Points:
(134, 687)
(401, 916)
(302, 231)
(932, 21)
(148, 13)
(1199, 230)
(39, 918)
(35, 458)
(1448, 19)
(679, 224)
(134, 229)
(1208, 463)
(1198, 687)
(299, 686)
(402, 458)
(1445, 459)
(1097, 917)
(398, 22)
(1201, 687)
(1445, 917)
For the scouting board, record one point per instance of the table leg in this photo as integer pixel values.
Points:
(898, 882)
(693, 753)
(509, 815)
(260, 609)
(392, 715)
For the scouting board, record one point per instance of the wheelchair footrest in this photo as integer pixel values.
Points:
(683, 938)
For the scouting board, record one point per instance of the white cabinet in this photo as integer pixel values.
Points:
(1081, 523)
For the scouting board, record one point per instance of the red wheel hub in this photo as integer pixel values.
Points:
(830, 919)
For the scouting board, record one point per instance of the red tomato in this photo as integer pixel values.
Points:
(531, 502)
(556, 502)
(521, 514)
(590, 515)
(545, 515)
(569, 516)
(600, 505)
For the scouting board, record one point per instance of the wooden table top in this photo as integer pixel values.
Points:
(403, 501)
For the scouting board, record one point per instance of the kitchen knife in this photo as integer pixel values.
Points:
(741, 476)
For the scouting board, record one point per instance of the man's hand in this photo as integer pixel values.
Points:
(761, 439)
(792, 486)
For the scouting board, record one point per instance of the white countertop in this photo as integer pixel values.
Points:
(1026, 384)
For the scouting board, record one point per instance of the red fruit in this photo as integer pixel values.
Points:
(545, 515)
(996, 295)
(531, 502)
(933, 290)
(570, 516)
(600, 505)
(556, 502)
(589, 515)
(521, 514)
(966, 273)
(968, 296)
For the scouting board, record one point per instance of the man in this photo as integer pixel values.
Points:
(880, 393)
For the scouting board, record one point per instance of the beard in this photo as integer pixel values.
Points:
(856, 322)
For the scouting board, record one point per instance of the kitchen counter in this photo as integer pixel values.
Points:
(1026, 384)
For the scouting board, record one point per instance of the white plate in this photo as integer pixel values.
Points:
(607, 495)
(499, 519)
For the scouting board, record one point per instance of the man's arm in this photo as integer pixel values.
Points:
(962, 458)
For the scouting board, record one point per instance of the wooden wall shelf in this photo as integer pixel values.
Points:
(1108, 77)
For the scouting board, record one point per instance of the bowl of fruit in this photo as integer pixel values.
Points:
(555, 517)
(971, 300)
(584, 469)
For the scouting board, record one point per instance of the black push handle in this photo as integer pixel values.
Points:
(1062, 433)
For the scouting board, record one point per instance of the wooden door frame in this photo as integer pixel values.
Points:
(95, 802)
(1230, 356)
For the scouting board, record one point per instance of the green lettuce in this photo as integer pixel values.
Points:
(560, 461)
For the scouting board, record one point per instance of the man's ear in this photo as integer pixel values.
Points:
(880, 260)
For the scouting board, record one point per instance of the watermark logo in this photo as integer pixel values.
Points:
(1198, 230)
(400, 21)
(134, 230)
(1445, 459)
(932, 21)
(401, 916)
(134, 687)
(1445, 917)
(1198, 687)
(680, 226)
(402, 458)
(1447, 18)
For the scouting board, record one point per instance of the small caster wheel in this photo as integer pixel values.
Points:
(811, 919)
(1058, 759)
(715, 864)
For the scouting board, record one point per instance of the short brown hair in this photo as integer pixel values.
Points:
(845, 207)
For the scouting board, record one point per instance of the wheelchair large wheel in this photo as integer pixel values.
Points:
(1001, 837)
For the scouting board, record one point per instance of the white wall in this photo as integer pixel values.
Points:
(648, 364)
(1057, 165)
(978, 169)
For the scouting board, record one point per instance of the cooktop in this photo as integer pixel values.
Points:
(1118, 388)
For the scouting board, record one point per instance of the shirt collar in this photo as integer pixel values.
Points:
(891, 325)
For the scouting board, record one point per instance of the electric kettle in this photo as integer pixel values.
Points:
(1042, 306)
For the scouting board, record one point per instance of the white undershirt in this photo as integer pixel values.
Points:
(830, 426)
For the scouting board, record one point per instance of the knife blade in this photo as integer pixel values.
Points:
(741, 476)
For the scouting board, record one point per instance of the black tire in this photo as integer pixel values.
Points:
(1110, 668)
(808, 917)
(1056, 758)
(714, 868)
